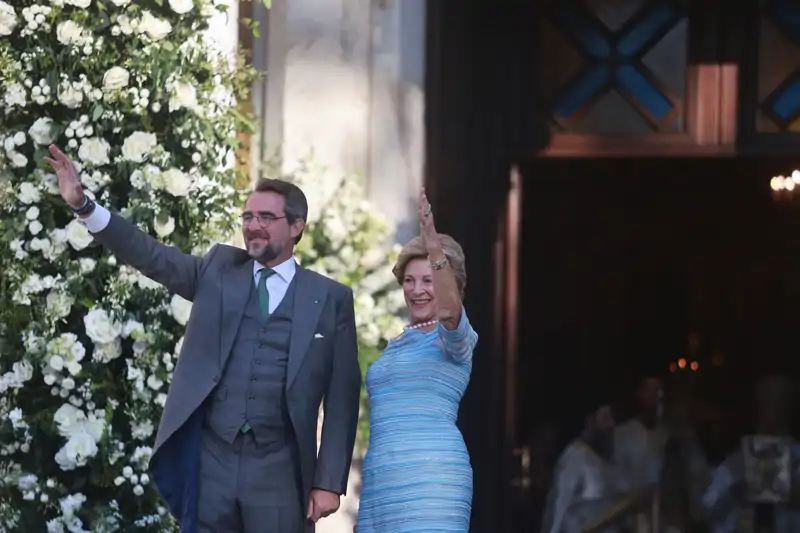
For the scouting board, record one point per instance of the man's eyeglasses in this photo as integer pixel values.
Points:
(263, 219)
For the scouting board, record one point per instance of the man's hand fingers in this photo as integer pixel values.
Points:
(51, 162)
(310, 512)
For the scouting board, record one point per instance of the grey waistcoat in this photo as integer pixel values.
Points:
(253, 384)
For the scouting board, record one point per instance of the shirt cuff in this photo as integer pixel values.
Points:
(98, 220)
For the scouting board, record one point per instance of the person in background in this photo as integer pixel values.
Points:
(685, 473)
(639, 442)
(727, 500)
(588, 493)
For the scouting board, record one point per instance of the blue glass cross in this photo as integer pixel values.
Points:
(615, 60)
(783, 104)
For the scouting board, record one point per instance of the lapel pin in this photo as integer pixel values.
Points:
(316, 301)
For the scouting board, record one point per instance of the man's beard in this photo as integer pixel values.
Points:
(602, 442)
(264, 255)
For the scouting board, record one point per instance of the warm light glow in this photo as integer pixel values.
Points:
(776, 183)
(682, 363)
(694, 366)
(673, 367)
(788, 185)
(796, 176)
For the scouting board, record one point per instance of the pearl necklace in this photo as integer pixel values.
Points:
(420, 325)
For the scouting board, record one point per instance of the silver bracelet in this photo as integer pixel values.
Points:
(438, 265)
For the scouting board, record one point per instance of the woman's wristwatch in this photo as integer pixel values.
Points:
(438, 265)
(84, 210)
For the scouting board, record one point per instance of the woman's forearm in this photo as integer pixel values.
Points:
(448, 297)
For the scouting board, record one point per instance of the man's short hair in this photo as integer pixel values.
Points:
(295, 203)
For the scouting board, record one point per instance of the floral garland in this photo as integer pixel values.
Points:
(147, 108)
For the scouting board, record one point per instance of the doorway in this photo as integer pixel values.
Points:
(628, 266)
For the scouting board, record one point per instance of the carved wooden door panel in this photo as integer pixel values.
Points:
(618, 78)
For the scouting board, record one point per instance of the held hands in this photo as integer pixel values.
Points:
(427, 228)
(321, 503)
(68, 182)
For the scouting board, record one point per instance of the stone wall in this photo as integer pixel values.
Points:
(345, 80)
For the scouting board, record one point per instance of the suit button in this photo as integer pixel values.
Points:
(252, 397)
(253, 380)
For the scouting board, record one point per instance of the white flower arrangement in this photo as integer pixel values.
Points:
(146, 108)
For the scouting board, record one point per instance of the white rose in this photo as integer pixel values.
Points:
(100, 327)
(154, 383)
(35, 227)
(68, 418)
(107, 351)
(32, 213)
(183, 95)
(164, 227)
(131, 327)
(28, 193)
(181, 309)
(87, 265)
(78, 236)
(137, 145)
(83, 4)
(70, 96)
(8, 19)
(94, 150)
(120, 3)
(64, 461)
(23, 370)
(59, 303)
(116, 78)
(181, 7)
(42, 131)
(17, 159)
(80, 447)
(155, 28)
(15, 95)
(176, 182)
(69, 33)
(56, 363)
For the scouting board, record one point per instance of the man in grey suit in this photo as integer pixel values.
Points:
(267, 340)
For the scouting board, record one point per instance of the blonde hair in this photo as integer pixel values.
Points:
(415, 249)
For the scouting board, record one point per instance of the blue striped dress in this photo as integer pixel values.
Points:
(417, 474)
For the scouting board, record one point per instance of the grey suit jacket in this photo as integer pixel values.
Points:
(323, 355)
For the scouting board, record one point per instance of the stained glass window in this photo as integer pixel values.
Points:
(615, 66)
(779, 67)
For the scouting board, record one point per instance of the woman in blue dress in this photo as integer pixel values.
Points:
(417, 475)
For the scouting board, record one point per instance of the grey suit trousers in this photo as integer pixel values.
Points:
(244, 489)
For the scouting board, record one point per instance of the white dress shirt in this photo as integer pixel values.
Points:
(277, 284)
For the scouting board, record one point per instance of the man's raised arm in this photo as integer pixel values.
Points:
(169, 266)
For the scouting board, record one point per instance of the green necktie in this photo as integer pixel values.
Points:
(263, 304)
(263, 293)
